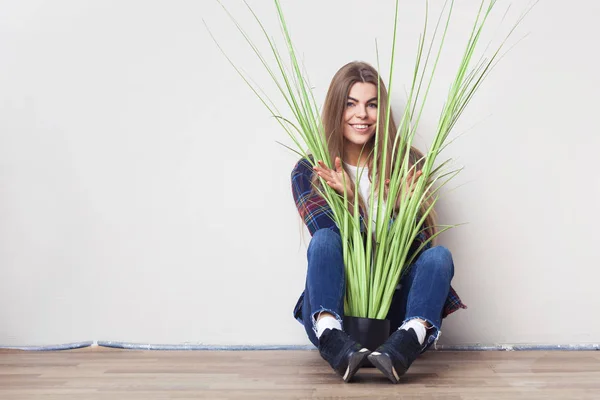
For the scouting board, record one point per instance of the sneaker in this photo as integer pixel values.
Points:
(341, 352)
(395, 356)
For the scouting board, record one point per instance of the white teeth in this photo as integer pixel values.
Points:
(361, 126)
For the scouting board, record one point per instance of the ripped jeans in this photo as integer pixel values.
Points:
(422, 293)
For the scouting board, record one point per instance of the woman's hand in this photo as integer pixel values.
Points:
(411, 182)
(335, 178)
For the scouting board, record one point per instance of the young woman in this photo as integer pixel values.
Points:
(424, 296)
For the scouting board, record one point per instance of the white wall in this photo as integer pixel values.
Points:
(144, 199)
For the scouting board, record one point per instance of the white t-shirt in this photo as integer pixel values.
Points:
(364, 187)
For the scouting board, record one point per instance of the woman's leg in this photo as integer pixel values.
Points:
(427, 289)
(419, 301)
(325, 281)
(324, 295)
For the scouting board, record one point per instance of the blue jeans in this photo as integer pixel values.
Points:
(423, 292)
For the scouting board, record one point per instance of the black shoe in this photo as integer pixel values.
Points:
(341, 352)
(394, 357)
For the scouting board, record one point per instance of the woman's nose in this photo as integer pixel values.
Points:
(361, 112)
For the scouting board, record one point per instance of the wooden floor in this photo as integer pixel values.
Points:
(126, 374)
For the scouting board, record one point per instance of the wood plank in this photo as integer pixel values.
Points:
(131, 375)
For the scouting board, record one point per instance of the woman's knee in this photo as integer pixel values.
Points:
(439, 258)
(324, 241)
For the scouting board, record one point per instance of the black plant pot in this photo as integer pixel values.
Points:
(370, 333)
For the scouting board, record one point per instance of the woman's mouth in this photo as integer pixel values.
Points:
(360, 128)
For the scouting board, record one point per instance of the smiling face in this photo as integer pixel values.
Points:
(360, 119)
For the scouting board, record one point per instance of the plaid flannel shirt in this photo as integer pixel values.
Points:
(317, 214)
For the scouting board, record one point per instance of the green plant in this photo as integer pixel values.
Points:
(374, 266)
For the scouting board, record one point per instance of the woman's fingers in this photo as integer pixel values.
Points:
(334, 185)
(321, 170)
(319, 167)
(334, 177)
(338, 165)
(413, 177)
(413, 183)
(329, 174)
(322, 167)
(324, 174)
(416, 177)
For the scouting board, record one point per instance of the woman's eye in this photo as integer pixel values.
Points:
(373, 105)
(349, 104)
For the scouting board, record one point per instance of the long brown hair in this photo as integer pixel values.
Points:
(333, 124)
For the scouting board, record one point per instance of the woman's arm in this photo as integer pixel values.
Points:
(313, 208)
